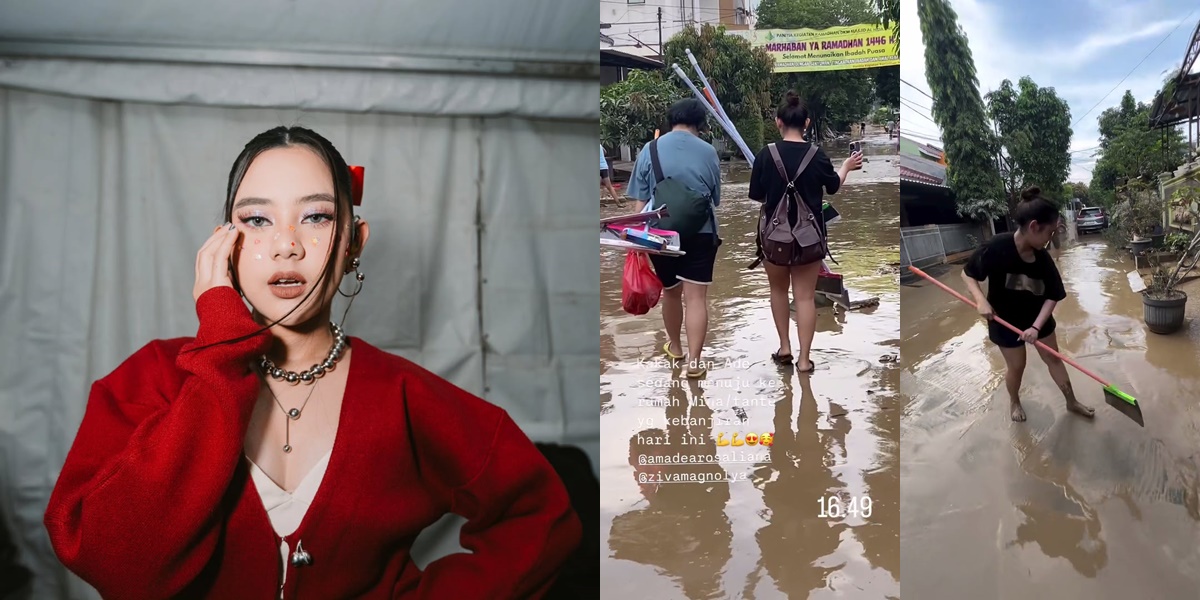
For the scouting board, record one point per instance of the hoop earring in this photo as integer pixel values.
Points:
(358, 275)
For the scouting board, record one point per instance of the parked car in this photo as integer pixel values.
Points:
(1090, 219)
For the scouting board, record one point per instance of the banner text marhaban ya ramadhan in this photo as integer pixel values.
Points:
(863, 46)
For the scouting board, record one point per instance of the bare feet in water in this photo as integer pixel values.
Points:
(1018, 413)
(1081, 409)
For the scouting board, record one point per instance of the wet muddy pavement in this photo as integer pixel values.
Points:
(1058, 506)
(748, 524)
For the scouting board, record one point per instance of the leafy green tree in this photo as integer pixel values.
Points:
(1034, 127)
(887, 85)
(1131, 150)
(958, 110)
(751, 126)
(631, 110)
(1079, 191)
(835, 98)
(739, 74)
(889, 16)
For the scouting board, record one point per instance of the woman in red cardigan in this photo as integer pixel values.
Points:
(272, 456)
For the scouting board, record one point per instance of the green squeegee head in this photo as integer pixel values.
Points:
(1124, 403)
(1122, 395)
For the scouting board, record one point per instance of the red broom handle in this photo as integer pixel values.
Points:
(1010, 326)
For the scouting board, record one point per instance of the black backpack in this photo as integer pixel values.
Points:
(780, 242)
(688, 210)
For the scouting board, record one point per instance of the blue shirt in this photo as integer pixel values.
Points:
(684, 158)
(603, 163)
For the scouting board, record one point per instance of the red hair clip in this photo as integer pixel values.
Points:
(356, 184)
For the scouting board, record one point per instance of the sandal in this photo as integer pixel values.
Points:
(812, 366)
(781, 359)
(667, 350)
(696, 373)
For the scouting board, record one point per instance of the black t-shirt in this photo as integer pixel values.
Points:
(767, 186)
(1017, 290)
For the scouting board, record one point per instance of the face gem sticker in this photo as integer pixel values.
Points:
(291, 227)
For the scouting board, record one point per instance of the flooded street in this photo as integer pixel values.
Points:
(1058, 506)
(745, 521)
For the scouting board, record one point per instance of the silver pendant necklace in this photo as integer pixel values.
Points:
(292, 415)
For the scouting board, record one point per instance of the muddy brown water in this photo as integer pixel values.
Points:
(749, 526)
(1058, 506)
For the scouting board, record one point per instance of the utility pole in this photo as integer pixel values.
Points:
(660, 34)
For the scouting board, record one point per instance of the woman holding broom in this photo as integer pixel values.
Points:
(1024, 286)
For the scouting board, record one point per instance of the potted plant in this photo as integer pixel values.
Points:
(1145, 216)
(1163, 306)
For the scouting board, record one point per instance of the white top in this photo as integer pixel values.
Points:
(287, 510)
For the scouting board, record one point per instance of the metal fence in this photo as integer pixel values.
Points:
(930, 244)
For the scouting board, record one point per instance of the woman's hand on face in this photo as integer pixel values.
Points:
(854, 162)
(212, 262)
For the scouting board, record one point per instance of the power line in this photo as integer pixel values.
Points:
(919, 114)
(666, 5)
(919, 136)
(1135, 68)
(908, 126)
(685, 22)
(918, 89)
(914, 103)
(683, 9)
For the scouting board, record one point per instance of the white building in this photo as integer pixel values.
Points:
(633, 26)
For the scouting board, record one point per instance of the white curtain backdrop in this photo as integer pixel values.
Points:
(480, 191)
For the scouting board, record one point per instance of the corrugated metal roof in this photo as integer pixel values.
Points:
(927, 168)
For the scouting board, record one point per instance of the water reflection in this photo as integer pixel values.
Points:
(751, 529)
(1057, 506)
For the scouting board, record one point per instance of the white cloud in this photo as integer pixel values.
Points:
(1053, 63)
(1091, 46)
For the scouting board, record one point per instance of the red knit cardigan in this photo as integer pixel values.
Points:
(155, 499)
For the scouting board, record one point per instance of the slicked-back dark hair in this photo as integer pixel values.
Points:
(343, 212)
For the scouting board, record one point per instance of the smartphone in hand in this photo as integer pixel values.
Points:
(856, 147)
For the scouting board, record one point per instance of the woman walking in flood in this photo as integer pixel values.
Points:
(768, 185)
(1024, 286)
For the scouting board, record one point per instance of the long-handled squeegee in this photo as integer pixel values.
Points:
(1124, 403)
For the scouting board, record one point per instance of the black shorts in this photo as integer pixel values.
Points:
(1005, 338)
(695, 266)
(603, 173)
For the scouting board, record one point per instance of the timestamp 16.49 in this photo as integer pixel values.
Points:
(833, 507)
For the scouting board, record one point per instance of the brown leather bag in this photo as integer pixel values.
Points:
(780, 242)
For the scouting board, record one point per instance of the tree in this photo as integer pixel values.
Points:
(1131, 150)
(887, 85)
(739, 74)
(835, 98)
(889, 16)
(1079, 191)
(631, 110)
(751, 126)
(958, 110)
(1034, 127)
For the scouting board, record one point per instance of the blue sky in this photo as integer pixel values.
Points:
(1082, 48)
